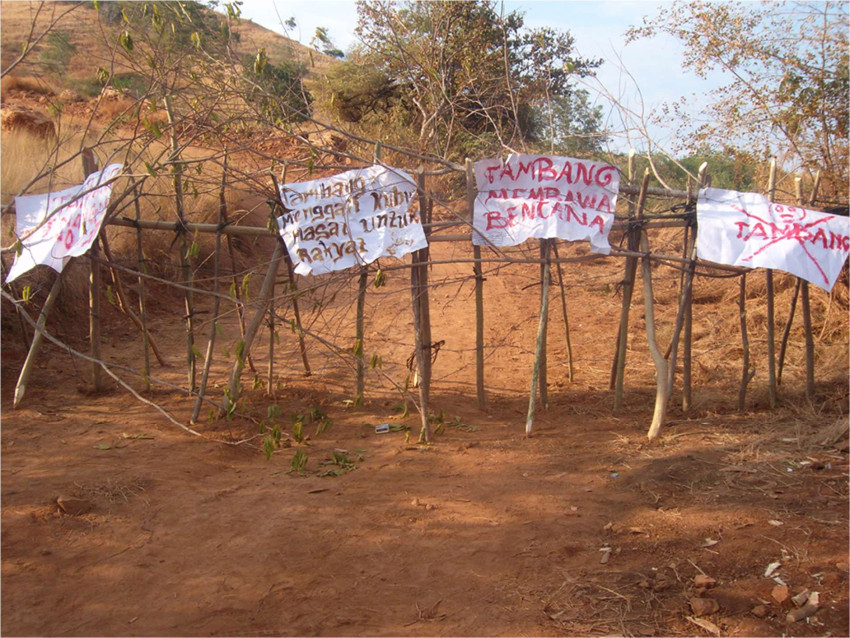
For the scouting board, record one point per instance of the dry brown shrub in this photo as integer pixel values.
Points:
(16, 82)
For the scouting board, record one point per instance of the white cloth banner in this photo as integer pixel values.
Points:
(349, 219)
(746, 229)
(52, 228)
(544, 196)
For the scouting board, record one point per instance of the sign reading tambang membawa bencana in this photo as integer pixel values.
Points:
(544, 196)
(350, 219)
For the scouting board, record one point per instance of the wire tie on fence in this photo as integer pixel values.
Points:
(133, 222)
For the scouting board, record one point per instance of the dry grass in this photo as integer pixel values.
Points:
(112, 490)
(15, 82)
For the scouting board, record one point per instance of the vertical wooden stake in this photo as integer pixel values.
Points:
(143, 315)
(746, 375)
(703, 180)
(566, 317)
(786, 332)
(662, 393)
(293, 286)
(270, 376)
(421, 318)
(26, 370)
(359, 351)
(293, 289)
(233, 387)
(541, 339)
(810, 343)
(95, 284)
(270, 389)
(222, 215)
(545, 273)
(771, 336)
(684, 304)
(687, 346)
(185, 262)
(805, 307)
(632, 243)
(94, 316)
(422, 296)
(471, 194)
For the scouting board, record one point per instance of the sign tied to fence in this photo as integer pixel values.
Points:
(350, 219)
(53, 227)
(746, 229)
(544, 196)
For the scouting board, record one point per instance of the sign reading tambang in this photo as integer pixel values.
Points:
(350, 219)
(747, 229)
(544, 196)
(53, 227)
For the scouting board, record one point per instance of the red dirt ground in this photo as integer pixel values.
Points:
(484, 532)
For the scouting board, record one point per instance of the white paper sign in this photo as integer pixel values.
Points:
(746, 229)
(544, 196)
(350, 219)
(52, 230)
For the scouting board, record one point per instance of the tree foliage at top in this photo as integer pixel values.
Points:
(788, 87)
(186, 51)
(322, 42)
(457, 75)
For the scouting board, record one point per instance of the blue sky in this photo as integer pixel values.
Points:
(598, 28)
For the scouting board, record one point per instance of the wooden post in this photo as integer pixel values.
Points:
(786, 332)
(471, 194)
(293, 286)
(423, 257)
(545, 273)
(687, 346)
(746, 375)
(237, 294)
(771, 337)
(566, 316)
(185, 265)
(805, 307)
(793, 307)
(293, 290)
(687, 388)
(26, 370)
(270, 373)
(362, 281)
(810, 343)
(632, 241)
(684, 304)
(95, 284)
(662, 388)
(222, 214)
(233, 388)
(541, 337)
(143, 315)
(421, 318)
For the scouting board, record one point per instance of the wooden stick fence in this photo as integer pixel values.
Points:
(637, 249)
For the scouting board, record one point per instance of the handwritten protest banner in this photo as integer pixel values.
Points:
(350, 219)
(53, 227)
(746, 229)
(544, 196)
